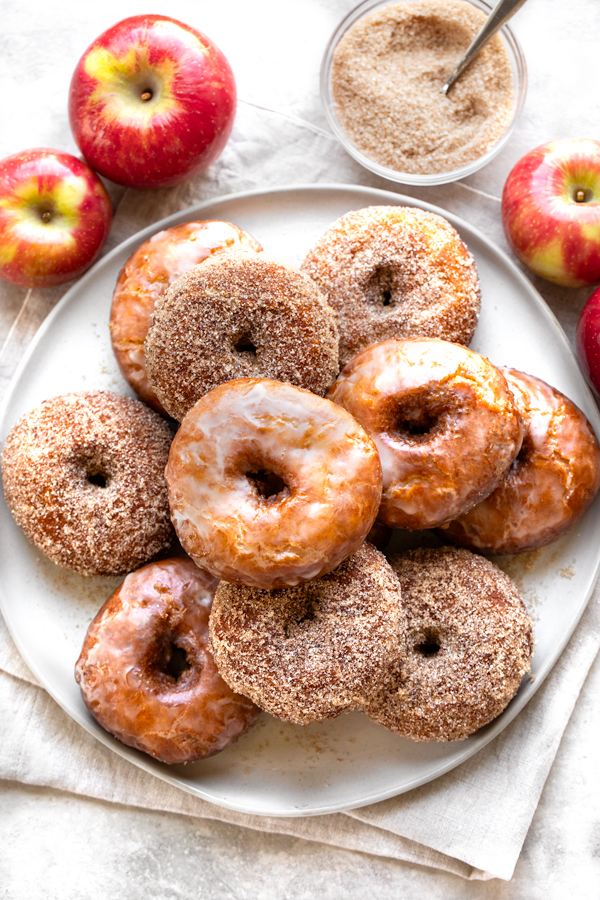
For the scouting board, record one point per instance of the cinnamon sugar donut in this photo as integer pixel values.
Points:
(270, 485)
(469, 642)
(145, 277)
(444, 422)
(310, 652)
(395, 272)
(239, 316)
(146, 672)
(84, 478)
(549, 486)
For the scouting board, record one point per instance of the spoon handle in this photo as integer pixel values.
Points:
(500, 14)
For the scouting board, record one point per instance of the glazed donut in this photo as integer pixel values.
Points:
(84, 478)
(469, 642)
(311, 652)
(145, 277)
(444, 423)
(549, 486)
(239, 316)
(270, 485)
(395, 272)
(146, 672)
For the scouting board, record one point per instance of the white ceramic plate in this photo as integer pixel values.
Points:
(278, 768)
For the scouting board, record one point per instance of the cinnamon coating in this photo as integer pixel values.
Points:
(444, 423)
(549, 486)
(146, 672)
(310, 652)
(83, 476)
(239, 315)
(469, 642)
(144, 279)
(395, 272)
(270, 485)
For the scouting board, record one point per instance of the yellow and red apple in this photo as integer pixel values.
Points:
(55, 215)
(152, 102)
(587, 339)
(551, 211)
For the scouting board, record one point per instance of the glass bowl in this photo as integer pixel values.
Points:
(519, 73)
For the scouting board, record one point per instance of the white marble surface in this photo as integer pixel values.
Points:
(53, 844)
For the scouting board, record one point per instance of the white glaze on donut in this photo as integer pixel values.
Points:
(146, 671)
(443, 421)
(326, 501)
(549, 486)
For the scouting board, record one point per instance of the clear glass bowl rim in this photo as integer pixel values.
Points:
(517, 59)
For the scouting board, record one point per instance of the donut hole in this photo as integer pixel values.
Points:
(299, 615)
(171, 662)
(93, 470)
(268, 485)
(382, 288)
(177, 664)
(428, 643)
(524, 455)
(418, 417)
(97, 478)
(244, 345)
(417, 423)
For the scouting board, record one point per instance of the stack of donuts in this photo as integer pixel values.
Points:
(289, 420)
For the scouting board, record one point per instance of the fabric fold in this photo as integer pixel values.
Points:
(471, 822)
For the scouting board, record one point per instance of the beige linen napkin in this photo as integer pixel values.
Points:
(472, 821)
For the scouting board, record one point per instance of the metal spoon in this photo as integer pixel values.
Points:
(500, 14)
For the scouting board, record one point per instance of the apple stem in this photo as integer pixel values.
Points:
(580, 196)
(146, 95)
(46, 216)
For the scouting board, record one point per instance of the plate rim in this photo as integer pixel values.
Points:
(481, 738)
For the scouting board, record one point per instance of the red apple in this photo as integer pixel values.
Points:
(55, 215)
(551, 211)
(152, 102)
(587, 338)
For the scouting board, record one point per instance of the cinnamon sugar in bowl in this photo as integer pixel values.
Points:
(381, 82)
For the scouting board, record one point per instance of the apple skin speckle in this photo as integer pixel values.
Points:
(556, 236)
(172, 135)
